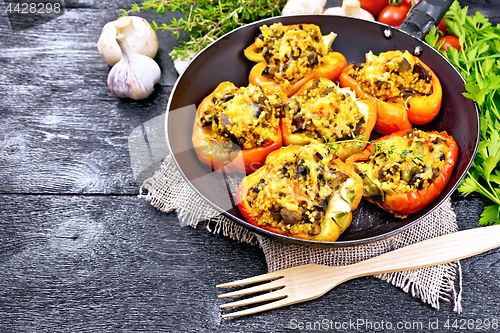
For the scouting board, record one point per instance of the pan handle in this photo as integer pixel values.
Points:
(425, 15)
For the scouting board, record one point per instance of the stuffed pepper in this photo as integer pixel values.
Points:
(288, 56)
(404, 89)
(303, 192)
(236, 128)
(405, 171)
(321, 111)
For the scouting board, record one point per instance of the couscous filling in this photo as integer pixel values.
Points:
(325, 111)
(291, 52)
(245, 116)
(300, 190)
(394, 75)
(403, 164)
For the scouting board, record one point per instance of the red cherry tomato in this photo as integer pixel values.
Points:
(442, 27)
(449, 40)
(373, 6)
(408, 2)
(393, 15)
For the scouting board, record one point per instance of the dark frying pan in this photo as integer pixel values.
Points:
(224, 61)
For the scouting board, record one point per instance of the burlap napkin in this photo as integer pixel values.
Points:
(167, 191)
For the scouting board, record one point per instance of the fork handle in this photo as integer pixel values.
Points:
(431, 252)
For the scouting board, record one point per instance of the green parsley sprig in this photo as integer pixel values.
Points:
(205, 20)
(479, 61)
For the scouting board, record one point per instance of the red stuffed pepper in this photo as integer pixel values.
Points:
(405, 171)
(236, 128)
(303, 192)
(404, 89)
(321, 111)
(289, 56)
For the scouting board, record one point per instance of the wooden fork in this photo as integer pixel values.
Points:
(303, 283)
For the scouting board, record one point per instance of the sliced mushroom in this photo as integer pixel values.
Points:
(407, 175)
(408, 93)
(267, 55)
(438, 141)
(359, 127)
(284, 172)
(315, 229)
(313, 60)
(379, 84)
(329, 90)
(415, 179)
(337, 179)
(290, 217)
(301, 171)
(382, 174)
(225, 121)
(319, 217)
(441, 156)
(422, 72)
(323, 203)
(435, 174)
(403, 66)
(227, 97)
(292, 107)
(299, 121)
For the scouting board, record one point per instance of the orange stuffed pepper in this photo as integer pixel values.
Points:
(405, 91)
(405, 171)
(303, 192)
(289, 56)
(321, 111)
(236, 128)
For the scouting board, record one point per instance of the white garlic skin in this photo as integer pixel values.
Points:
(293, 7)
(350, 8)
(138, 32)
(135, 75)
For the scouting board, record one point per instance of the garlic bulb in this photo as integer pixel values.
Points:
(303, 7)
(135, 75)
(138, 32)
(350, 8)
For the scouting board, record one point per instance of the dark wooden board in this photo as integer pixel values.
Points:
(107, 263)
(80, 252)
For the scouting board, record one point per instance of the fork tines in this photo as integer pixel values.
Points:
(277, 282)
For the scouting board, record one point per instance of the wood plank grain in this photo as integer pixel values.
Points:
(68, 143)
(83, 254)
(106, 263)
(61, 130)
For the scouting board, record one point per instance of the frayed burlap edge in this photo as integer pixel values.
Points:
(167, 191)
(430, 284)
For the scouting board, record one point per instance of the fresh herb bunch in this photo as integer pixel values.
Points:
(479, 63)
(205, 21)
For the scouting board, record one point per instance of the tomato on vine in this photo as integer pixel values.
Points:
(373, 6)
(442, 26)
(410, 4)
(394, 13)
(449, 41)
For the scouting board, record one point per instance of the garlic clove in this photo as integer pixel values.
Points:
(138, 32)
(135, 75)
(350, 8)
(293, 7)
